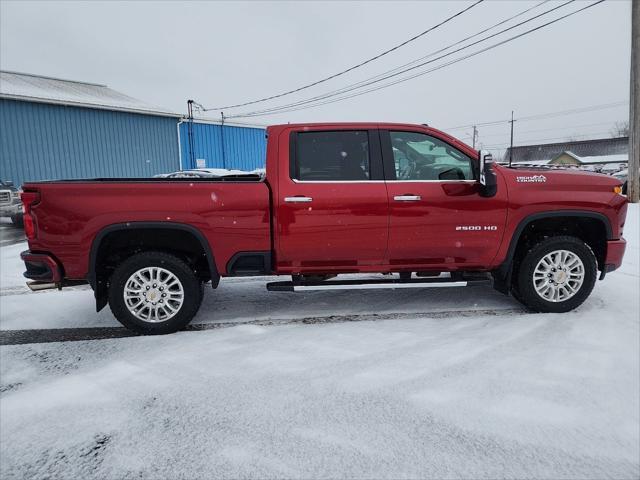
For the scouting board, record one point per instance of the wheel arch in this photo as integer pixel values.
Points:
(99, 287)
(504, 272)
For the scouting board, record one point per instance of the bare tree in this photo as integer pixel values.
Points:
(620, 129)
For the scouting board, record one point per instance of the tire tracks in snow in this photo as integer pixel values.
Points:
(21, 337)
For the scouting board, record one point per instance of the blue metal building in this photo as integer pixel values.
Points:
(53, 129)
(230, 146)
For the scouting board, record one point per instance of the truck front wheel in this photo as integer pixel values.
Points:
(154, 293)
(556, 275)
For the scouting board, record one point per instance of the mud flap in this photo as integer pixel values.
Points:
(101, 294)
(500, 283)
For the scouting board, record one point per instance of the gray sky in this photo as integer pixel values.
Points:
(221, 53)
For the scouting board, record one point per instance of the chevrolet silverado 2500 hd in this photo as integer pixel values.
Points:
(336, 198)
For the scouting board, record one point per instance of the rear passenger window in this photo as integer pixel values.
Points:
(338, 156)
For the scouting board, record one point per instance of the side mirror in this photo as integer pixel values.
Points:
(485, 159)
(487, 179)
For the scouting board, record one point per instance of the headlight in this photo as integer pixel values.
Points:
(16, 195)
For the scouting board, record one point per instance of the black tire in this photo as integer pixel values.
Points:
(192, 287)
(17, 220)
(524, 290)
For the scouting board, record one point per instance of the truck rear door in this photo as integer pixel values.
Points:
(332, 207)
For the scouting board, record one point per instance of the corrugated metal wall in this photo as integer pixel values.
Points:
(242, 148)
(40, 141)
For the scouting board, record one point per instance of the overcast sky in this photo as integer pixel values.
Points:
(222, 53)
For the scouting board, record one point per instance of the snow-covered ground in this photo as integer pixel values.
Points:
(414, 394)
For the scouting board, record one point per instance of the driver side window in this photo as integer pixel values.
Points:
(418, 156)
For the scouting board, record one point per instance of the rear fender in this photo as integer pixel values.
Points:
(100, 287)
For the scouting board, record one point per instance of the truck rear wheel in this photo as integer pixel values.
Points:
(556, 275)
(154, 293)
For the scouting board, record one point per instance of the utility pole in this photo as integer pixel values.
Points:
(475, 136)
(633, 187)
(224, 155)
(192, 153)
(511, 148)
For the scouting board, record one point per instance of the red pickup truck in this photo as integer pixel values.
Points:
(407, 201)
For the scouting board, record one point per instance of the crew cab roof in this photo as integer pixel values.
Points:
(350, 124)
(381, 125)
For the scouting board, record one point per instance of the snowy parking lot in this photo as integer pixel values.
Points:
(461, 383)
(10, 234)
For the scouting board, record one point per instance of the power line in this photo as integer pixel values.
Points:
(388, 74)
(567, 112)
(369, 60)
(285, 108)
(502, 22)
(566, 127)
(544, 116)
(535, 141)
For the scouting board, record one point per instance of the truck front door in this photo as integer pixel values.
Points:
(331, 206)
(437, 218)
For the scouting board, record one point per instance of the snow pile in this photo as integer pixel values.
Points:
(212, 173)
(546, 396)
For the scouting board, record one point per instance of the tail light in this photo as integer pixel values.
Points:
(29, 199)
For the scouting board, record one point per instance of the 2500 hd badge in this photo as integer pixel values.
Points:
(470, 228)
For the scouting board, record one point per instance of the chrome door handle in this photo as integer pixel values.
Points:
(298, 199)
(407, 198)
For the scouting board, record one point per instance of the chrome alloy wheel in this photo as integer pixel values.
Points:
(153, 294)
(558, 276)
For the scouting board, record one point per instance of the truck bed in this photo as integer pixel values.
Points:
(232, 213)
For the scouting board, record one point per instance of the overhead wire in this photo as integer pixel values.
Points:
(391, 73)
(429, 55)
(395, 69)
(568, 138)
(543, 116)
(398, 70)
(538, 130)
(350, 69)
(294, 106)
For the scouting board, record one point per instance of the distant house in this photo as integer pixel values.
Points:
(548, 152)
(566, 158)
(603, 163)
